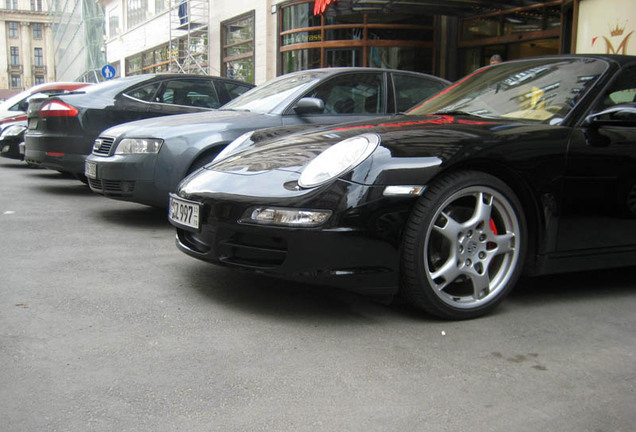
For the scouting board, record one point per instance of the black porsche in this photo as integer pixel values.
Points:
(526, 166)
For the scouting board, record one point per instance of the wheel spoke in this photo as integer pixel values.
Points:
(483, 208)
(481, 284)
(448, 272)
(505, 243)
(450, 229)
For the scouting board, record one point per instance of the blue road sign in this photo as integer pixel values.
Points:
(108, 72)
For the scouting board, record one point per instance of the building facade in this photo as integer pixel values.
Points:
(78, 39)
(256, 40)
(26, 38)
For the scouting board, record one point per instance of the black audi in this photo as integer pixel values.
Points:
(522, 167)
(62, 129)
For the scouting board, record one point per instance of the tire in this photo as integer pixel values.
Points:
(464, 246)
(203, 160)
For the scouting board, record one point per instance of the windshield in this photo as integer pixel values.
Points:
(265, 98)
(543, 90)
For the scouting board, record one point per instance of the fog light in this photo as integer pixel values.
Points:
(286, 216)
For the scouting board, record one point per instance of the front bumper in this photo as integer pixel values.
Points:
(127, 178)
(356, 249)
(12, 148)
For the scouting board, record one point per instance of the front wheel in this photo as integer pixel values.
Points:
(464, 246)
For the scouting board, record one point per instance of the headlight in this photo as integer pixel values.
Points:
(338, 159)
(235, 146)
(13, 131)
(138, 146)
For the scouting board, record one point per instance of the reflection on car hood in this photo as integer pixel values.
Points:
(182, 124)
(404, 136)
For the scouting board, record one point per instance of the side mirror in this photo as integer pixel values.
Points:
(618, 115)
(309, 105)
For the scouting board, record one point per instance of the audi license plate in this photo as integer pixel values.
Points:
(90, 170)
(185, 213)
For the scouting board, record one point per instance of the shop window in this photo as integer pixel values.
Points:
(300, 60)
(311, 41)
(133, 65)
(343, 57)
(238, 48)
(403, 58)
(299, 16)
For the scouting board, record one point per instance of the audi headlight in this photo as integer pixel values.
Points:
(338, 159)
(13, 131)
(138, 146)
(235, 146)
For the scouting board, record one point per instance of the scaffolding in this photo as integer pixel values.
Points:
(189, 37)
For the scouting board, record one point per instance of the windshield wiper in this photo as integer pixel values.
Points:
(455, 112)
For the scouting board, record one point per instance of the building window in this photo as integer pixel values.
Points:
(39, 79)
(151, 61)
(133, 65)
(160, 6)
(38, 58)
(11, 4)
(113, 23)
(15, 56)
(36, 5)
(395, 41)
(13, 30)
(137, 12)
(37, 30)
(16, 81)
(238, 48)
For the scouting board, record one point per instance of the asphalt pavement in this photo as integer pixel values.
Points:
(106, 326)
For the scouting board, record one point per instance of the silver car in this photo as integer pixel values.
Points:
(143, 161)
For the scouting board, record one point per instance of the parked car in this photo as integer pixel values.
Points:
(12, 140)
(14, 108)
(62, 131)
(522, 166)
(143, 161)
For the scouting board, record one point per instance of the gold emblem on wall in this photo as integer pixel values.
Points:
(616, 36)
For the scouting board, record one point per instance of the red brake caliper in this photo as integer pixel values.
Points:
(493, 228)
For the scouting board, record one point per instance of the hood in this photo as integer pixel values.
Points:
(440, 136)
(184, 124)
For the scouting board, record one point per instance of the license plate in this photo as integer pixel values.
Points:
(90, 170)
(185, 213)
